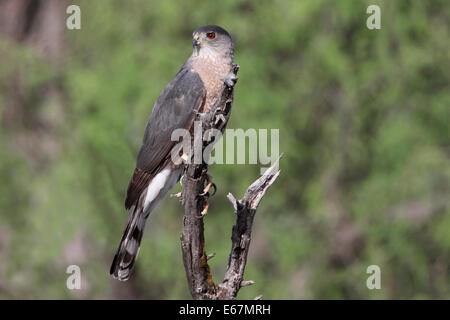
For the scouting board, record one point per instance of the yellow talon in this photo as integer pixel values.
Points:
(205, 209)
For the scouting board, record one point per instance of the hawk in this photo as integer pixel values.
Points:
(195, 88)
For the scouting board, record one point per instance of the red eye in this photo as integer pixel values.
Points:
(211, 35)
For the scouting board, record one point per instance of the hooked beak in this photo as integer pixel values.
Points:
(196, 41)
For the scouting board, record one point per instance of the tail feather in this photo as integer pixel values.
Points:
(129, 245)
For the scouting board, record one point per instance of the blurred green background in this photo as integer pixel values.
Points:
(363, 118)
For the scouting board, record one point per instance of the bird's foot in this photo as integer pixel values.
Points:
(208, 187)
(175, 195)
(205, 209)
(206, 193)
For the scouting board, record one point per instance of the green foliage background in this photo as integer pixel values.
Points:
(363, 118)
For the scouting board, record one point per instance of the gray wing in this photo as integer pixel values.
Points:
(175, 108)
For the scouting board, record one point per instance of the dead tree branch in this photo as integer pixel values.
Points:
(200, 282)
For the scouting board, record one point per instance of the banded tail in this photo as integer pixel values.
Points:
(138, 213)
(129, 245)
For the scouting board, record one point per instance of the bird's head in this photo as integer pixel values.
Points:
(212, 40)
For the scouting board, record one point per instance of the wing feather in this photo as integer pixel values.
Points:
(175, 108)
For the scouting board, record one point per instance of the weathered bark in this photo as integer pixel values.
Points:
(200, 282)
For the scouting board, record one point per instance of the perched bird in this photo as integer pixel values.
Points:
(195, 88)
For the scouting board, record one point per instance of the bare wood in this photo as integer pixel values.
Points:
(195, 259)
(241, 235)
